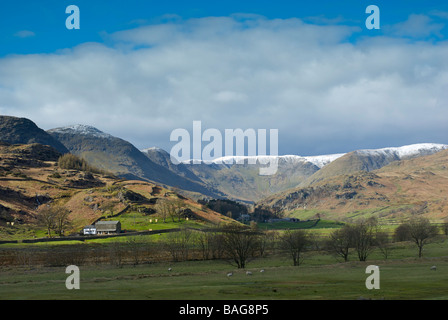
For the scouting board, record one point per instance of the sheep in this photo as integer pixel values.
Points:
(262, 270)
(248, 273)
(229, 274)
(434, 268)
(169, 269)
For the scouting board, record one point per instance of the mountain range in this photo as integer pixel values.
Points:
(416, 186)
(240, 182)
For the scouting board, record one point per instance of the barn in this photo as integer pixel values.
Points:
(108, 227)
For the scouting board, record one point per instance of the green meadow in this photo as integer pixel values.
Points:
(320, 277)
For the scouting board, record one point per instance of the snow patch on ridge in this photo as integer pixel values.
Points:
(82, 129)
(406, 151)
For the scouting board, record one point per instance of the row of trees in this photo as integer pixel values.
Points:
(240, 244)
(364, 236)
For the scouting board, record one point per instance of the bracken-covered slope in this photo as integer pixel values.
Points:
(30, 179)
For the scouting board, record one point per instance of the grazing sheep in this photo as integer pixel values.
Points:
(169, 269)
(248, 273)
(229, 274)
(262, 270)
(434, 268)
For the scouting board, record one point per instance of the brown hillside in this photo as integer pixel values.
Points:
(397, 191)
(30, 179)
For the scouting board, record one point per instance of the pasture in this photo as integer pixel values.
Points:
(320, 277)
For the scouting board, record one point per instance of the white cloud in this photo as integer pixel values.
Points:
(323, 93)
(417, 26)
(24, 34)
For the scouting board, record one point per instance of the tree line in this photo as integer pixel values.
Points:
(239, 244)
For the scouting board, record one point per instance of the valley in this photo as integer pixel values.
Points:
(180, 224)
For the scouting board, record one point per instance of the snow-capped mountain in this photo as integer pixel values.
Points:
(397, 153)
(81, 129)
(224, 176)
(242, 181)
(372, 159)
(221, 178)
(318, 161)
(404, 152)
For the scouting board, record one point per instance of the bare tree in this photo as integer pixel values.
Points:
(46, 218)
(420, 231)
(340, 242)
(295, 243)
(239, 243)
(177, 206)
(116, 253)
(163, 209)
(210, 243)
(266, 242)
(62, 221)
(54, 218)
(135, 246)
(363, 237)
(178, 244)
(383, 242)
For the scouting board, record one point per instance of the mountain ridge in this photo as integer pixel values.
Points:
(239, 182)
(122, 158)
(404, 188)
(16, 130)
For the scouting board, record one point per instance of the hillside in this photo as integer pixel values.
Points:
(228, 180)
(244, 183)
(120, 157)
(16, 130)
(393, 192)
(368, 160)
(30, 179)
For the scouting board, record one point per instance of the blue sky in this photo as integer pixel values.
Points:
(140, 69)
(39, 26)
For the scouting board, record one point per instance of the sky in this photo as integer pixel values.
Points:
(310, 69)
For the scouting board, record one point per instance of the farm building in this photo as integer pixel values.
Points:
(89, 230)
(108, 227)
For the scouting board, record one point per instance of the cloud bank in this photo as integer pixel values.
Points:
(324, 91)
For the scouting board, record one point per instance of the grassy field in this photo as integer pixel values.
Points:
(320, 277)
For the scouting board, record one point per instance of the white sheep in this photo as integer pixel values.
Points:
(230, 274)
(434, 268)
(248, 273)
